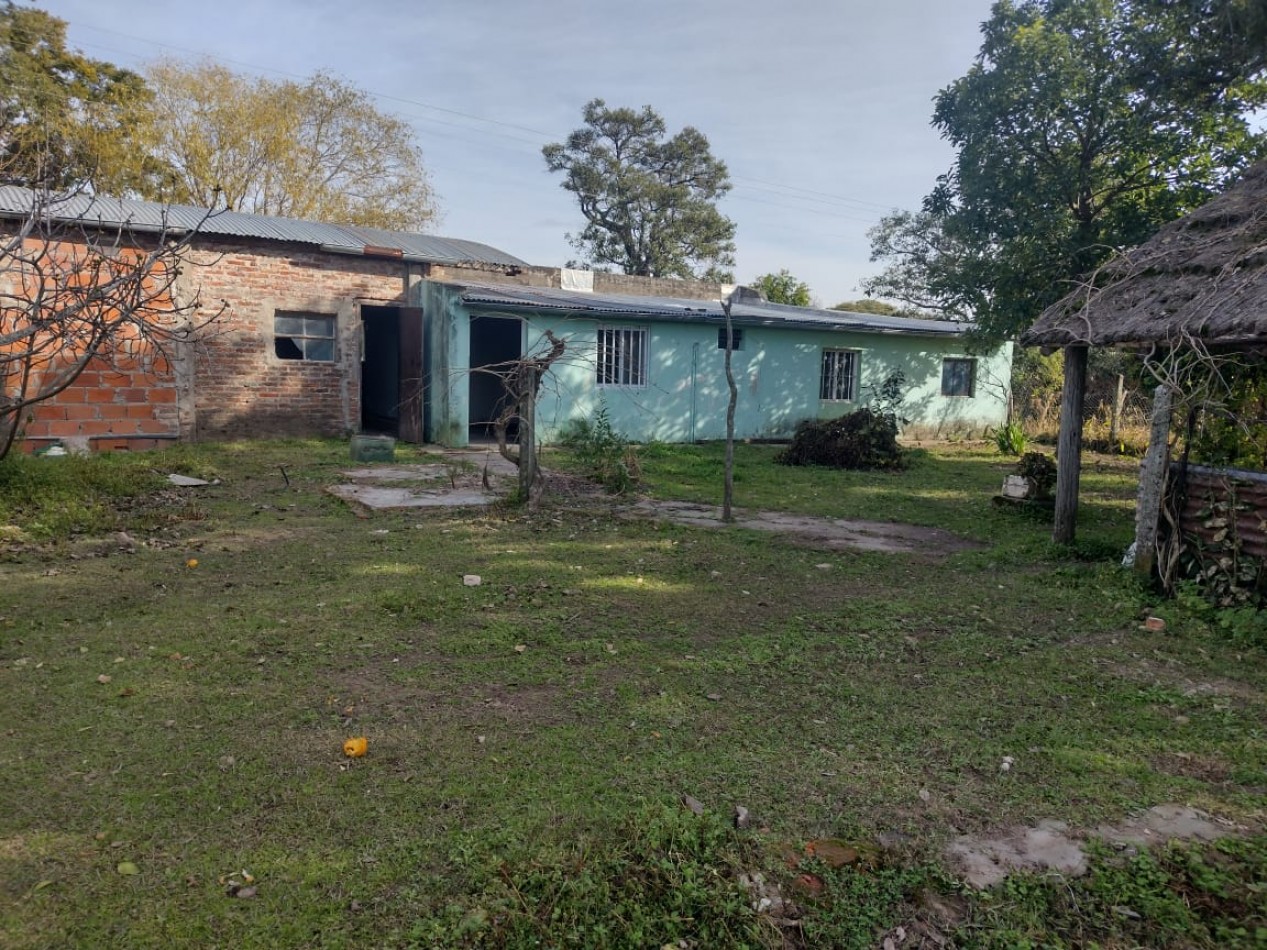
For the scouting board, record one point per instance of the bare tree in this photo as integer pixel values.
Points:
(522, 380)
(75, 292)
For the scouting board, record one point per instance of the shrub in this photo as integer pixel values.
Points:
(603, 453)
(1010, 439)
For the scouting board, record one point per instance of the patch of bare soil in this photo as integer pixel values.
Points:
(833, 534)
(1052, 846)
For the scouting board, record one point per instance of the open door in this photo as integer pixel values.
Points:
(411, 373)
(391, 371)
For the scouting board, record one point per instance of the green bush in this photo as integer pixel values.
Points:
(603, 453)
(1010, 439)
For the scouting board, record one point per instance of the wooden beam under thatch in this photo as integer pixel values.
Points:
(1201, 278)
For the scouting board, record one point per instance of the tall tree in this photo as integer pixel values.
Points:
(1082, 126)
(783, 288)
(314, 149)
(649, 200)
(66, 120)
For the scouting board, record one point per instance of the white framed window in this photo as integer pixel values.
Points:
(840, 376)
(959, 377)
(622, 356)
(303, 336)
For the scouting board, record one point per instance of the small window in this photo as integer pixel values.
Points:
(840, 375)
(303, 336)
(736, 336)
(622, 356)
(958, 377)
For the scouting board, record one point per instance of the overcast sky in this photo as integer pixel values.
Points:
(819, 108)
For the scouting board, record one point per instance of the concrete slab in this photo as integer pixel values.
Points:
(398, 473)
(1051, 846)
(382, 497)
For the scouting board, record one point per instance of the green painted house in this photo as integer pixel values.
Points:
(657, 364)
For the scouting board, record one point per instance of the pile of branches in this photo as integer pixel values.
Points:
(863, 439)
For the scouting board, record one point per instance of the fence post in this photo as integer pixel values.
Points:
(1152, 483)
(1069, 445)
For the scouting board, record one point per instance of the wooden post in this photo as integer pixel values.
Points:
(1152, 483)
(1069, 446)
(528, 383)
(1119, 406)
(728, 474)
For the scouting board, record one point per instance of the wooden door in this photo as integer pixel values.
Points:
(411, 374)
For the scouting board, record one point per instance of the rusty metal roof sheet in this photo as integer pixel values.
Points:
(151, 216)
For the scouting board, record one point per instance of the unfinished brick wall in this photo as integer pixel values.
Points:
(114, 404)
(233, 385)
(125, 397)
(238, 386)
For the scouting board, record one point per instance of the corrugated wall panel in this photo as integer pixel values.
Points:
(1209, 487)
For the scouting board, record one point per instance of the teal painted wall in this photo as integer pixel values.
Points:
(777, 372)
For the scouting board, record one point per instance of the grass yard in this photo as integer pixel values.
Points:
(170, 725)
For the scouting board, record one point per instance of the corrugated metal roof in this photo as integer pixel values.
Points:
(153, 216)
(747, 313)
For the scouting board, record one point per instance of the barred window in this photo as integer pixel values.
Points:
(840, 375)
(622, 356)
(303, 336)
(736, 338)
(958, 377)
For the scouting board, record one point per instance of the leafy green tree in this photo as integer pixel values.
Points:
(66, 120)
(649, 200)
(783, 288)
(314, 149)
(1072, 141)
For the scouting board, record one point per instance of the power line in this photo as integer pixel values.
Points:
(806, 194)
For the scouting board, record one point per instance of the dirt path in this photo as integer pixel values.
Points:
(833, 534)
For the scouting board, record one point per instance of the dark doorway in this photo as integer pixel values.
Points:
(391, 372)
(496, 343)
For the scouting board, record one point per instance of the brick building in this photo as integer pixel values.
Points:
(314, 334)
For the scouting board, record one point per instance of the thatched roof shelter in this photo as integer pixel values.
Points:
(1202, 278)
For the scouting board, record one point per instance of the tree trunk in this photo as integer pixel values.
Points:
(529, 381)
(728, 488)
(1069, 446)
(1152, 483)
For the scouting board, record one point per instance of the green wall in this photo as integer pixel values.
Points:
(777, 372)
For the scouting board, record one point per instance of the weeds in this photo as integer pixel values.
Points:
(601, 452)
(1010, 439)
